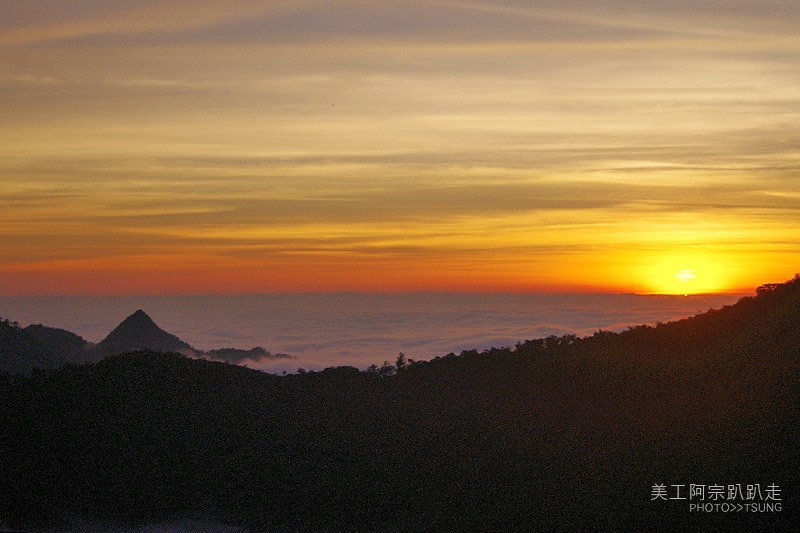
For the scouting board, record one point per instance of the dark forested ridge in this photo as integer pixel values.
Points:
(554, 434)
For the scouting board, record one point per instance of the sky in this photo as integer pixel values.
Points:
(225, 147)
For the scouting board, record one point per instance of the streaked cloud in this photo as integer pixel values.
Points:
(528, 144)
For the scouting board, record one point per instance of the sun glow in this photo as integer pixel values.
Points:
(687, 274)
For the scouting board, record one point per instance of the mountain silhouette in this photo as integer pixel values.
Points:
(139, 332)
(65, 346)
(19, 351)
(38, 346)
(23, 349)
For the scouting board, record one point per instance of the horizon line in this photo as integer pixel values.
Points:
(733, 292)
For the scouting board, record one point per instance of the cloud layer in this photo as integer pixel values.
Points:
(324, 330)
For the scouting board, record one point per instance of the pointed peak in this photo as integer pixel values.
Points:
(139, 317)
(138, 322)
(140, 332)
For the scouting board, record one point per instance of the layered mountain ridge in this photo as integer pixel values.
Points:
(23, 349)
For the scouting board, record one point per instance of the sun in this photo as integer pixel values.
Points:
(684, 274)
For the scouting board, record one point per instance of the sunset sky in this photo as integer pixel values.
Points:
(160, 147)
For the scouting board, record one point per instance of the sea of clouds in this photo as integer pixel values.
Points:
(322, 330)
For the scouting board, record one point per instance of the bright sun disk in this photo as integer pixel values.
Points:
(686, 275)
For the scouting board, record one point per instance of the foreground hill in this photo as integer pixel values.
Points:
(555, 434)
